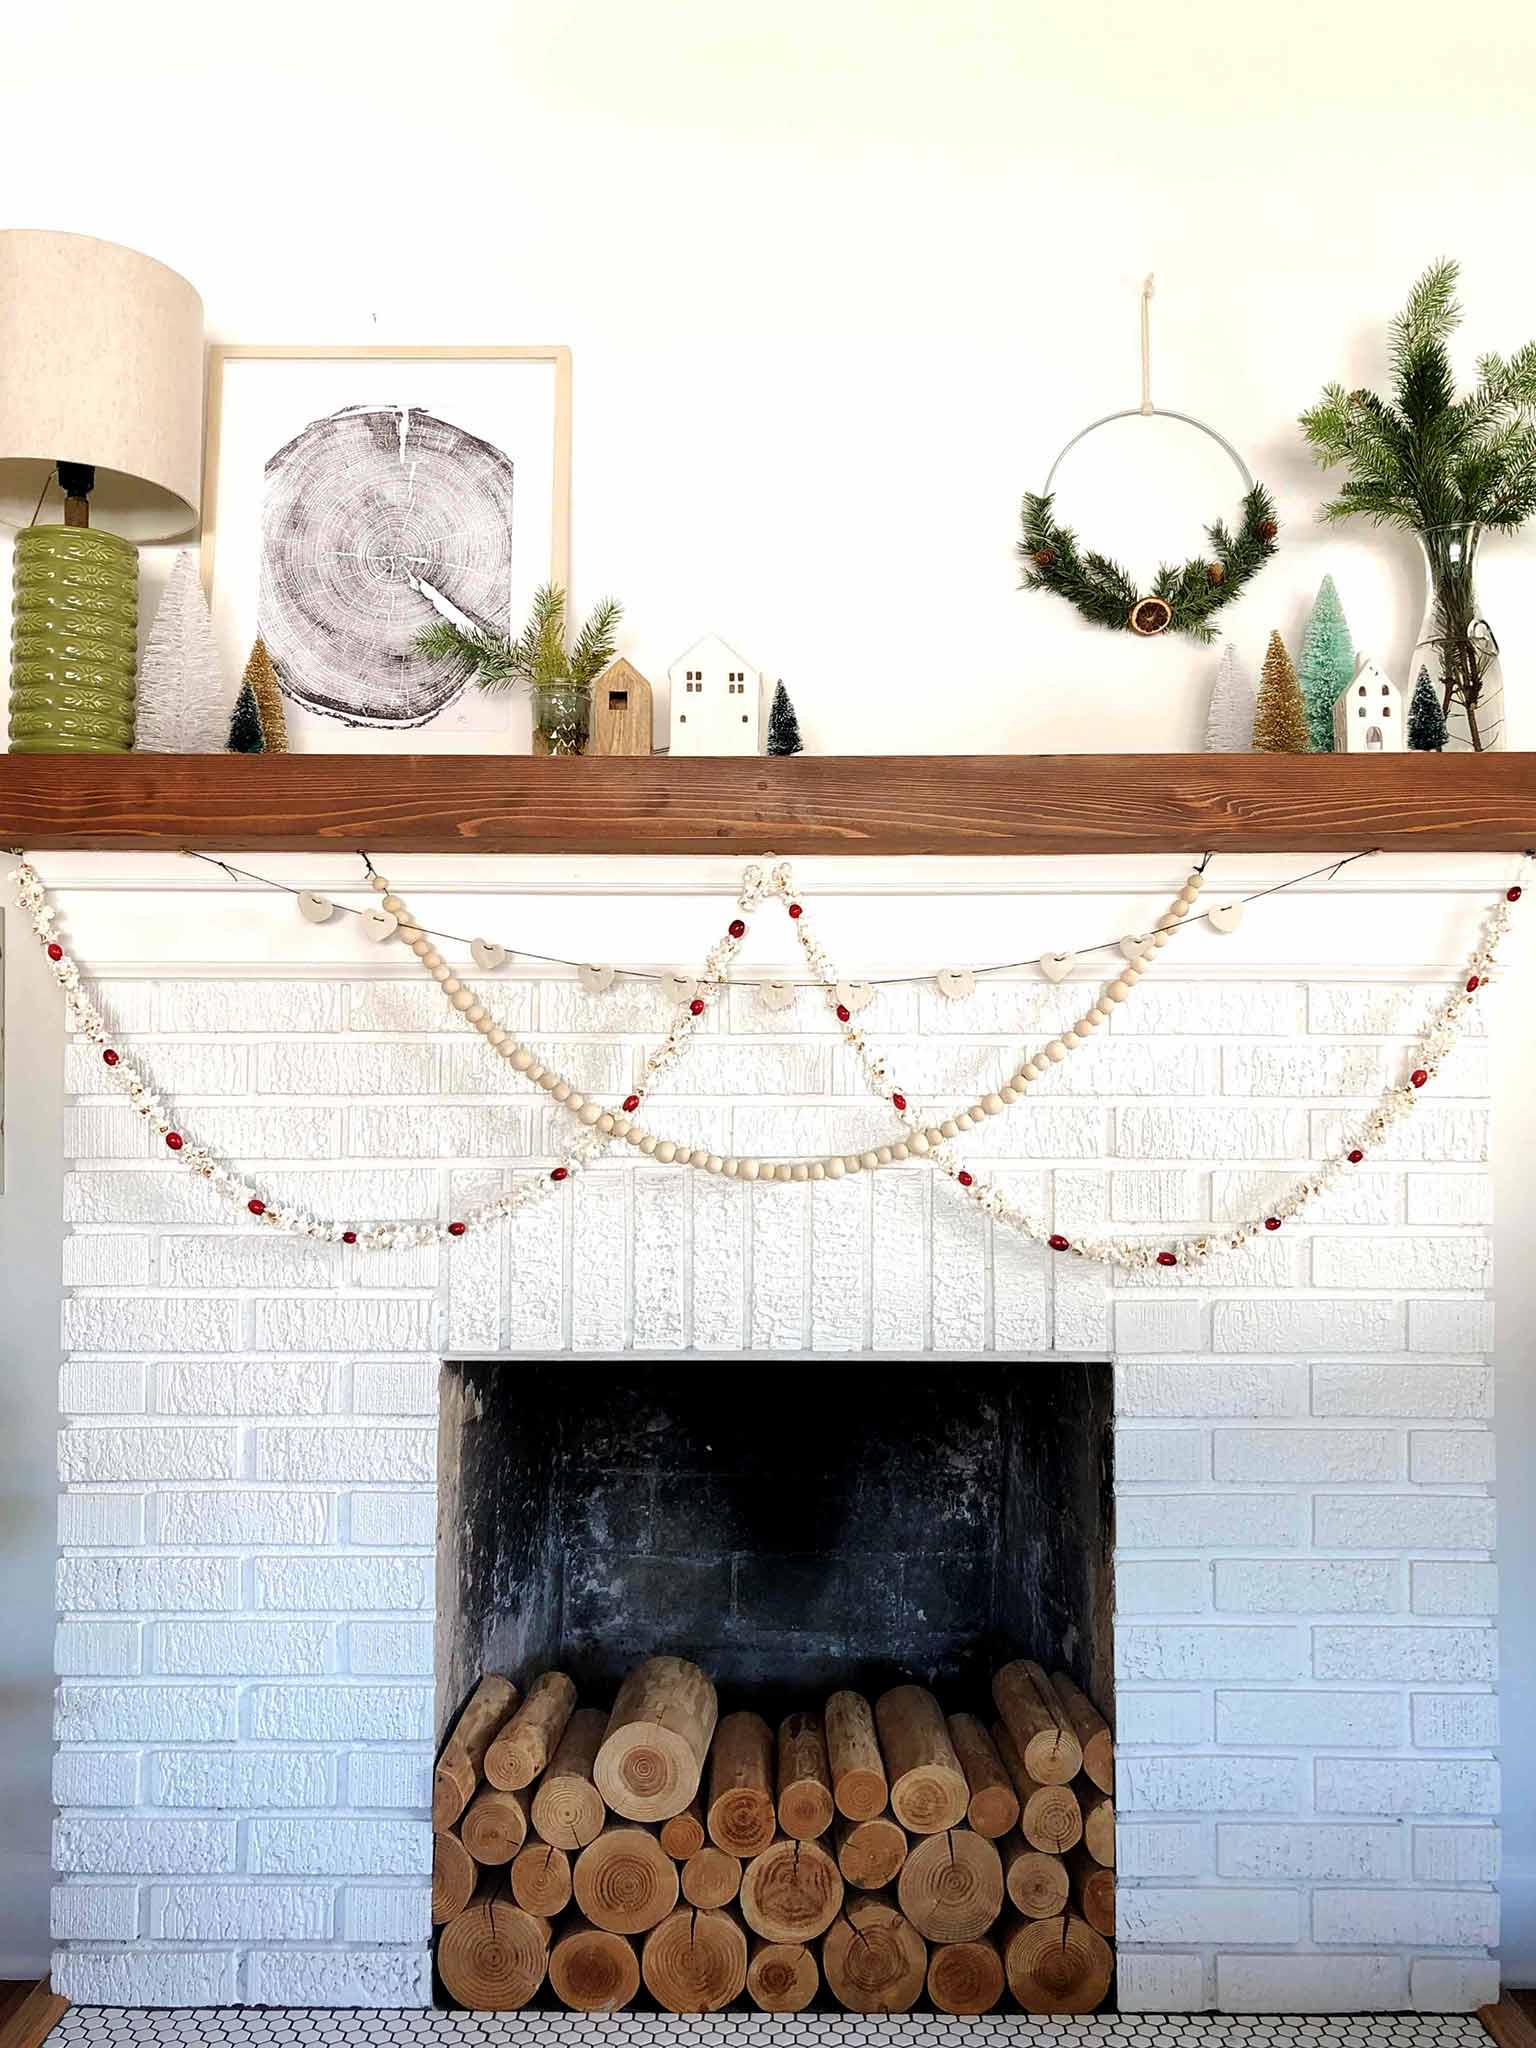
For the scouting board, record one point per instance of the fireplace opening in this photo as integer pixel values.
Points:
(793, 1531)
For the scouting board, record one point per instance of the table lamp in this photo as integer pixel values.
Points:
(101, 384)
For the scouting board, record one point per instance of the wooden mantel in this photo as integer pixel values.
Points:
(865, 804)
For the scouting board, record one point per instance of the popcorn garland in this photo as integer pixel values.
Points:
(601, 1128)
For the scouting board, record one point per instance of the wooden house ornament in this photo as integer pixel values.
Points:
(621, 711)
(717, 701)
(1368, 717)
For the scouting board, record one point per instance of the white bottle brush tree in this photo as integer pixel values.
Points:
(185, 700)
(1229, 728)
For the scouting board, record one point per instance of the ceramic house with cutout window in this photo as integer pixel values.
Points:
(1368, 717)
(717, 703)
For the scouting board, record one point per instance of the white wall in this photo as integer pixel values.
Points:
(839, 279)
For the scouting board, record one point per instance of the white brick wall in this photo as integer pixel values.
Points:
(1306, 1649)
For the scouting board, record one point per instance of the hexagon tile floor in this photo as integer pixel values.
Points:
(240, 2027)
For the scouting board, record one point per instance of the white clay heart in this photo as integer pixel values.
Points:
(379, 924)
(595, 979)
(776, 995)
(314, 906)
(678, 988)
(956, 983)
(855, 995)
(1132, 947)
(487, 956)
(1224, 917)
(1057, 966)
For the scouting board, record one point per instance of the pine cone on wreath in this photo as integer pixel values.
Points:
(1267, 529)
(1215, 574)
(1045, 558)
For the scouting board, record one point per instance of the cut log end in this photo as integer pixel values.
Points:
(870, 1853)
(873, 1958)
(530, 1738)
(695, 1961)
(928, 1788)
(652, 1757)
(711, 1877)
(1034, 1716)
(1092, 1732)
(782, 1976)
(683, 1835)
(492, 1958)
(740, 1815)
(805, 1803)
(591, 1970)
(966, 1977)
(993, 1806)
(455, 1874)
(495, 1825)
(1037, 1881)
(951, 1886)
(541, 1879)
(625, 1882)
(791, 1892)
(461, 1763)
(1058, 1966)
(568, 1810)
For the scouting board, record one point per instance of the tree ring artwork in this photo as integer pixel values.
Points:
(376, 520)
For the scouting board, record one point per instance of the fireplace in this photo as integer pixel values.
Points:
(798, 1535)
(1303, 1453)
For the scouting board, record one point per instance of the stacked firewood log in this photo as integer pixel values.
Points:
(885, 1852)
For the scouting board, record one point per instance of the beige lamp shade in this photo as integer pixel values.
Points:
(101, 361)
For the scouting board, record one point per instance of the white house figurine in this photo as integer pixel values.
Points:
(1368, 717)
(717, 701)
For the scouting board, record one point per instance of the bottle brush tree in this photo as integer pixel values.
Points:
(1426, 720)
(1229, 725)
(783, 725)
(1327, 663)
(1280, 718)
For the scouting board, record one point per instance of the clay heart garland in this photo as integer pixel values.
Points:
(486, 956)
(314, 906)
(776, 995)
(1057, 966)
(378, 924)
(855, 995)
(1135, 948)
(679, 988)
(955, 983)
(1225, 917)
(595, 979)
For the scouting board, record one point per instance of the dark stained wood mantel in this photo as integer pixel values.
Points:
(808, 804)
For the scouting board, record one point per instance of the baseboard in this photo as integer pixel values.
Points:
(29, 2022)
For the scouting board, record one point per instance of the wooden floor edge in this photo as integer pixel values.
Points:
(31, 2022)
(1509, 2024)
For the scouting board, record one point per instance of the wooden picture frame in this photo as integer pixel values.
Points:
(239, 410)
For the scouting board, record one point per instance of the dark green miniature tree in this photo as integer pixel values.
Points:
(783, 725)
(1426, 719)
(245, 733)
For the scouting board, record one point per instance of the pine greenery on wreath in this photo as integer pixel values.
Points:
(1183, 599)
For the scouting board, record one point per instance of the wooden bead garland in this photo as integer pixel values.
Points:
(921, 1140)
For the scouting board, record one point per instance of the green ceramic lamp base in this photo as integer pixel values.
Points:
(74, 641)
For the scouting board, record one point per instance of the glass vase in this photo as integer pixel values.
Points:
(562, 718)
(1457, 647)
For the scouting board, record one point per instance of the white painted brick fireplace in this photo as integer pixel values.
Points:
(1305, 1637)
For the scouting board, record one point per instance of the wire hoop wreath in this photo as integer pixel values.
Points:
(1182, 598)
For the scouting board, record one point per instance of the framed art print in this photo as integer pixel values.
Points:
(351, 496)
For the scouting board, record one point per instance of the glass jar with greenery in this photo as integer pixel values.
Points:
(559, 680)
(1448, 470)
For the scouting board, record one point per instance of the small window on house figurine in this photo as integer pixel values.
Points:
(1373, 740)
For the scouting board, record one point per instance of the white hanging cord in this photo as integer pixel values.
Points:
(1149, 285)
